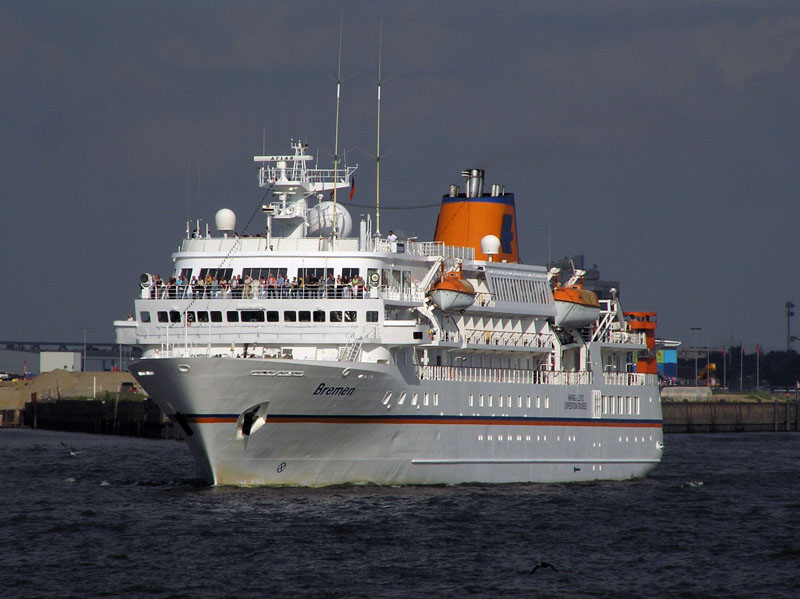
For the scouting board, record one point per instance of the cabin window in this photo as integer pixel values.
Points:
(336, 316)
(163, 316)
(273, 316)
(190, 316)
(216, 316)
(216, 273)
(350, 315)
(202, 316)
(265, 273)
(349, 273)
(372, 316)
(186, 272)
(252, 315)
(233, 316)
(317, 274)
(319, 315)
(289, 316)
(144, 316)
(304, 316)
(174, 316)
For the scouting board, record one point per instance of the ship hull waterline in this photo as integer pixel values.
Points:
(327, 423)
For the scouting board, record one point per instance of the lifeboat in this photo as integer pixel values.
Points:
(575, 306)
(452, 292)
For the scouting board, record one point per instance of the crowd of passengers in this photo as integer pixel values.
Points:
(277, 287)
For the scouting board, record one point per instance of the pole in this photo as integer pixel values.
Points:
(741, 366)
(695, 329)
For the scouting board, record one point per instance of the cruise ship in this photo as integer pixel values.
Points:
(319, 351)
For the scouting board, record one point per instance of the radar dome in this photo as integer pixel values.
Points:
(490, 245)
(320, 220)
(225, 220)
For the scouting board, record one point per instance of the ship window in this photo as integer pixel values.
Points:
(186, 272)
(401, 400)
(350, 315)
(216, 273)
(319, 274)
(216, 316)
(629, 400)
(336, 316)
(190, 316)
(620, 404)
(319, 315)
(490, 400)
(174, 316)
(416, 335)
(538, 401)
(528, 401)
(435, 398)
(480, 400)
(519, 401)
(637, 406)
(471, 400)
(163, 316)
(273, 316)
(252, 316)
(546, 402)
(259, 273)
(233, 316)
(289, 316)
(427, 398)
(144, 316)
(304, 316)
(349, 273)
(202, 316)
(372, 316)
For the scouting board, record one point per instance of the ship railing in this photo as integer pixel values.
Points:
(268, 175)
(503, 375)
(629, 378)
(627, 337)
(439, 248)
(515, 339)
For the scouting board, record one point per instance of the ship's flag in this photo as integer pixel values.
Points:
(758, 349)
(723, 350)
(352, 188)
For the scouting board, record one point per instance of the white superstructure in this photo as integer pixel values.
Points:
(329, 361)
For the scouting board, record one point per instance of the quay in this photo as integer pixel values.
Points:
(77, 402)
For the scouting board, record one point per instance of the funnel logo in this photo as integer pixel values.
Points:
(507, 233)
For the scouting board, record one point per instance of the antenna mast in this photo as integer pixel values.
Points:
(378, 152)
(336, 137)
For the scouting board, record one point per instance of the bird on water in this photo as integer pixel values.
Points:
(544, 565)
(69, 449)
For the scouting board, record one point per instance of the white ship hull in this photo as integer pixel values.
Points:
(323, 428)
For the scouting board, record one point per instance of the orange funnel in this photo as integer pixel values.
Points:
(466, 218)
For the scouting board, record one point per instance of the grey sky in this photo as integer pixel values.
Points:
(661, 139)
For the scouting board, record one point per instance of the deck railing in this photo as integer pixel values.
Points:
(503, 375)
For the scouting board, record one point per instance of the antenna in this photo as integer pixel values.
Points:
(378, 152)
(188, 197)
(336, 137)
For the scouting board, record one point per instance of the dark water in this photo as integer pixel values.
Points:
(128, 518)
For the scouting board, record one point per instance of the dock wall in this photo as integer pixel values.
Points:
(127, 417)
(724, 417)
(144, 419)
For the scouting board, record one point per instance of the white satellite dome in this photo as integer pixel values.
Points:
(225, 219)
(320, 220)
(490, 245)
